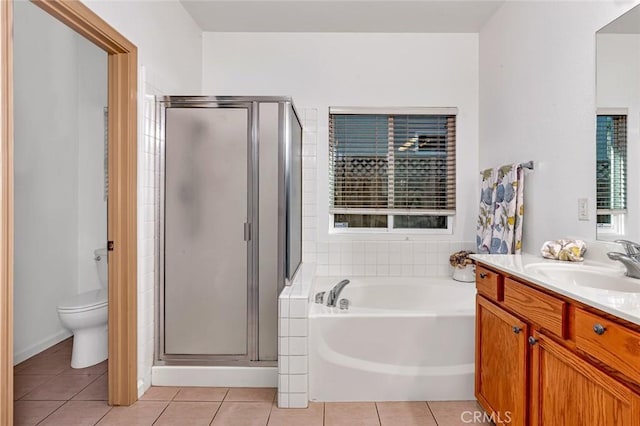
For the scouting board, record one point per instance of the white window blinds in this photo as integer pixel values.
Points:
(611, 160)
(383, 163)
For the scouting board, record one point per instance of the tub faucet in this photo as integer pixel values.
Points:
(629, 261)
(632, 249)
(335, 293)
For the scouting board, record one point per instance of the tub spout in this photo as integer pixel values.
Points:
(335, 293)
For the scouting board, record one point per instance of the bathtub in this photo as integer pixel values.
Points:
(402, 339)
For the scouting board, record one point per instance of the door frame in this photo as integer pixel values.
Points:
(122, 205)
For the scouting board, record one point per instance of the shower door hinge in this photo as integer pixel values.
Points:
(247, 231)
(109, 245)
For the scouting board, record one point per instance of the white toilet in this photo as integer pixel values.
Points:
(86, 316)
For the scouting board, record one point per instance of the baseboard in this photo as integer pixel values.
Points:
(40, 346)
(141, 387)
(253, 377)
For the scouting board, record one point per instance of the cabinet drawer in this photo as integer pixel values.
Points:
(489, 283)
(539, 308)
(613, 344)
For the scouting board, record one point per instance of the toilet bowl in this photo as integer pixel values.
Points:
(86, 316)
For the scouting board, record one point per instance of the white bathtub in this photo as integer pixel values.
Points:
(402, 339)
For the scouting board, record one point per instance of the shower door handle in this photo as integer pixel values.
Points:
(247, 231)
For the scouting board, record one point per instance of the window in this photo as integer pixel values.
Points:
(392, 170)
(611, 172)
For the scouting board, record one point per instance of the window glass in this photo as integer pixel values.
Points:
(611, 168)
(385, 166)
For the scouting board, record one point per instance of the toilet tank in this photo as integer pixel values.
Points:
(102, 266)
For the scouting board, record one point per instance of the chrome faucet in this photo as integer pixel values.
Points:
(334, 293)
(632, 249)
(629, 261)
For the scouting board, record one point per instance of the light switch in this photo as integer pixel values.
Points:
(583, 209)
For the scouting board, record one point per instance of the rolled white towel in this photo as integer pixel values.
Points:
(565, 249)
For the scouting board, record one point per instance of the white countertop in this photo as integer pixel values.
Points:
(621, 304)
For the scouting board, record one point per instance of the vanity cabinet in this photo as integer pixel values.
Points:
(545, 359)
(566, 390)
(501, 361)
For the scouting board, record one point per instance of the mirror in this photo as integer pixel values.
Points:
(617, 134)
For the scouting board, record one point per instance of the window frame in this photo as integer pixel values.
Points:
(613, 229)
(389, 229)
(618, 218)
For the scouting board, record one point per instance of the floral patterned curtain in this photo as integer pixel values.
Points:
(501, 210)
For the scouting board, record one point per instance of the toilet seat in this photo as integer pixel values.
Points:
(86, 301)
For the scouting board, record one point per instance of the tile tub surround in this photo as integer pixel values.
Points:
(309, 118)
(387, 258)
(293, 360)
(372, 258)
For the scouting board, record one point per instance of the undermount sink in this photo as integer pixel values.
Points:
(586, 276)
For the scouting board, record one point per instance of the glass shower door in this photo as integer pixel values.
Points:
(206, 252)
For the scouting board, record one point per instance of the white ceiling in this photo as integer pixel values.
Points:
(393, 16)
(629, 23)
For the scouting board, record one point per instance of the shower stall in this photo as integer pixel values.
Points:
(229, 196)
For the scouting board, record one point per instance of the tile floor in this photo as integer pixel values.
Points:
(48, 392)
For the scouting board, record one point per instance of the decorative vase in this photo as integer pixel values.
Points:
(466, 274)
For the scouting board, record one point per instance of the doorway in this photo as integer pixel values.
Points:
(121, 226)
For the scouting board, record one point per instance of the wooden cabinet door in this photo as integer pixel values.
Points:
(566, 390)
(501, 363)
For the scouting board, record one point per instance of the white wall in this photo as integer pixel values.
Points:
(169, 61)
(537, 102)
(169, 41)
(338, 69)
(92, 206)
(618, 86)
(58, 76)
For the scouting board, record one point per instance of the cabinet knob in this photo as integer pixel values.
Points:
(516, 329)
(599, 329)
(532, 340)
(483, 275)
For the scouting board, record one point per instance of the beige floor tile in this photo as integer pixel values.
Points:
(409, 421)
(242, 414)
(96, 391)
(99, 369)
(25, 383)
(455, 413)
(19, 367)
(189, 410)
(295, 421)
(160, 393)
(28, 413)
(63, 347)
(174, 421)
(311, 416)
(60, 388)
(314, 408)
(352, 422)
(201, 394)
(388, 410)
(44, 364)
(78, 413)
(141, 413)
(337, 413)
(188, 413)
(251, 395)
